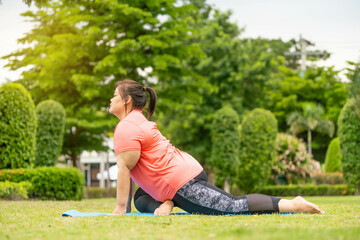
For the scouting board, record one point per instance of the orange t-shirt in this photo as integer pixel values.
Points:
(162, 169)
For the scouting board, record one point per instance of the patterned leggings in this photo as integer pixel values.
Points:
(199, 197)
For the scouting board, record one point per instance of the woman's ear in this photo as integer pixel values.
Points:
(128, 99)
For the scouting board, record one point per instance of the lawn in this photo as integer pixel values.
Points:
(42, 220)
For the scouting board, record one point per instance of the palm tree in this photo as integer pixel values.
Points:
(311, 119)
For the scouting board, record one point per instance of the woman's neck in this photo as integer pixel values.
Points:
(126, 114)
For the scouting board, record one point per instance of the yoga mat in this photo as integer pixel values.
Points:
(75, 213)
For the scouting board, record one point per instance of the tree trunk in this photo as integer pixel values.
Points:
(73, 159)
(226, 185)
(76, 161)
(309, 142)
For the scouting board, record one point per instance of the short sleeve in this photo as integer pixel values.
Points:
(127, 136)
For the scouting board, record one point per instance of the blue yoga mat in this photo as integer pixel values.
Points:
(75, 213)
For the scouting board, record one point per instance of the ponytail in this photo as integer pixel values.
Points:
(152, 102)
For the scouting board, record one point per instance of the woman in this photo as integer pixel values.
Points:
(168, 177)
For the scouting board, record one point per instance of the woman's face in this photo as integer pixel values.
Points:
(117, 105)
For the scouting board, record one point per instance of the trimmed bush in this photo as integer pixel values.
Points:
(328, 178)
(333, 157)
(225, 143)
(50, 132)
(307, 190)
(257, 149)
(292, 160)
(349, 139)
(57, 183)
(14, 191)
(17, 127)
(50, 183)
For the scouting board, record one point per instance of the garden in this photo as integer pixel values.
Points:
(243, 109)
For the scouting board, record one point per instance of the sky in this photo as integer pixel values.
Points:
(333, 25)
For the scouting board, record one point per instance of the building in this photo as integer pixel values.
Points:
(93, 165)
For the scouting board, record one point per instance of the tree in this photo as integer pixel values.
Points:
(17, 127)
(41, 3)
(311, 119)
(287, 93)
(229, 70)
(80, 50)
(225, 145)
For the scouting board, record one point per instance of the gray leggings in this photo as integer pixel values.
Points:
(199, 197)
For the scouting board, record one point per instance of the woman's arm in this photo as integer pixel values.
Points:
(125, 162)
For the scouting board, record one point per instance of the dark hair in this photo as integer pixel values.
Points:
(137, 93)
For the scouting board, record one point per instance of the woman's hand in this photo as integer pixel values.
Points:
(119, 211)
(165, 208)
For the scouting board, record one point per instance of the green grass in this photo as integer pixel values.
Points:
(42, 220)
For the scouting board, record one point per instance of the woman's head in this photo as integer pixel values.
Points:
(132, 95)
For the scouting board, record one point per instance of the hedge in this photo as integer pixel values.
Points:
(307, 190)
(97, 192)
(333, 157)
(50, 132)
(225, 143)
(15, 191)
(328, 178)
(349, 138)
(17, 127)
(257, 149)
(50, 183)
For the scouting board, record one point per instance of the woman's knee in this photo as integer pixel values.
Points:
(141, 204)
(145, 203)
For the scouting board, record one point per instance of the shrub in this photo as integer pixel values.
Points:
(307, 190)
(257, 149)
(57, 183)
(328, 178)
(97, 192)
(51, 183)
(14, 191)
(225, 143)
(292, 159)
(50, 132)
(333, 157)
(17, 127)
(349, 138)
(14, 175)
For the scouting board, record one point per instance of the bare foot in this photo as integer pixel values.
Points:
(301, 205)
(165, 208)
